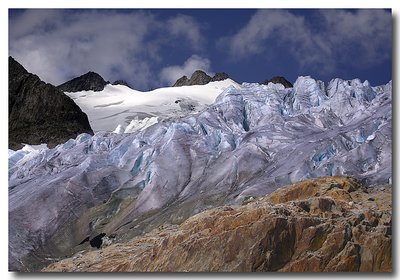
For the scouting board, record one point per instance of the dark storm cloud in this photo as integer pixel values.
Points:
(60, 44)
(361, 37)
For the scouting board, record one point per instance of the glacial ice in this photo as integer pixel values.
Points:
(137, 124)
(250, 141)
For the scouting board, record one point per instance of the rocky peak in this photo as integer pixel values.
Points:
(88, 81)
(39, 112)
(199, 77)
(278, 80)
(121, 82)
(220, 76)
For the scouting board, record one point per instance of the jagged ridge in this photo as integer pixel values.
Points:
(200, 78)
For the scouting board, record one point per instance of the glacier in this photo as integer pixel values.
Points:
(250, 141)
(120, 106)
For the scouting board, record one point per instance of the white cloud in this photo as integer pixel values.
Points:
(61, 44)
(183, 25)
(250, 39)
(171, 73)
(370, 30)
(321, 46)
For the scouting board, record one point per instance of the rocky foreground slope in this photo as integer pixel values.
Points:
(39, 112)
(326, 224)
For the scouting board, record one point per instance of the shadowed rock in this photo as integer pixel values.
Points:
(39, 112)
(88, 81)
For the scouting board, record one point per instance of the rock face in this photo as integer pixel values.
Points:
(200, 78)
(39, 112)
(88, 81)
(278, 80)
(329, 224)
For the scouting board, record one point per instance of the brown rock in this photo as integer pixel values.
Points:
(308, 226)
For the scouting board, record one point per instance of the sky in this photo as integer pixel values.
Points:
(153, 48)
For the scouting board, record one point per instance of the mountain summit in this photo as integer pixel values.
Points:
(278, 80)
(88, 81)
(199, 77)
(121, 82)
(39, 112)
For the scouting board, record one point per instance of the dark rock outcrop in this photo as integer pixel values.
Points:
(278, 80)
(324, 225)
(121, 82)
(39, 112)
(88, 81)
(219, 77)
(200, 78)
